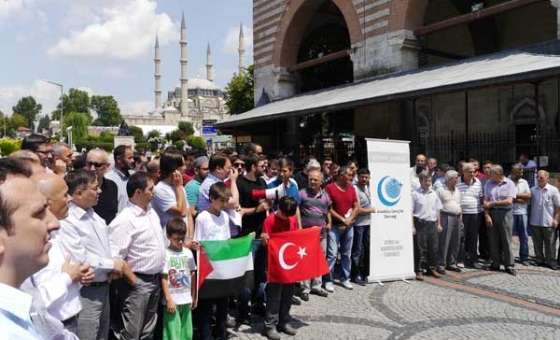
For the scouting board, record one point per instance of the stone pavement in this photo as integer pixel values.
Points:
(469, 305)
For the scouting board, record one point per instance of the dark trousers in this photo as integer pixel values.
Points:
(255, 295)
(278, 303)
(204, 313)
(499, 235)
(483, 241)
(471, 224)
(543, 238)
(360, 252)
(136, 316)
(425, 245)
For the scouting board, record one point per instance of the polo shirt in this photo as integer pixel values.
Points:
(500, 191)
(471, 195)
(544, 202)
(365, 202)
(343, 200)
(314, 208)
(292, 189)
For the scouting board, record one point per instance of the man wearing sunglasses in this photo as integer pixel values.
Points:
(97, 160)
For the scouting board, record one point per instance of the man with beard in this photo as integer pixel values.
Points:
(97, 160)
(254, 213)
(124, 162)
(418, 167)
(63, 158)
(200, 172)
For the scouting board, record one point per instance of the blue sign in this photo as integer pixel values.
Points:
(209, 130)
(389, 191)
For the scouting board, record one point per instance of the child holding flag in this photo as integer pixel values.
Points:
(178, 274)
(279, 295)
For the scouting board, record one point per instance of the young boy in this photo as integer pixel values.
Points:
(279, 295)
(178, 283)
(213, 225)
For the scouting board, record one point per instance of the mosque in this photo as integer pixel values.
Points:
(194, 100)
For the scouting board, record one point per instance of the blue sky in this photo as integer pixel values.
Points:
(106, 46)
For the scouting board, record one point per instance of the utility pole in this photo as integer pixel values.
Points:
(61, 107)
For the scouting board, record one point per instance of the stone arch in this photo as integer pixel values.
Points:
(407, 14)
(294, 23)
(517, 113)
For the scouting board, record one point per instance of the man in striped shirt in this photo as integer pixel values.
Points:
(471, 199)
(137, 238)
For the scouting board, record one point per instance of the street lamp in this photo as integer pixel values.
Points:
(61, 106)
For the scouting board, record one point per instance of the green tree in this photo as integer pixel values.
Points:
(28, 108)
(186, 128)
(75, 101)
(44, 122)
(137, 133)
(108, 112)
(154, 134)
(79, 121)
(176, 135)
(197, 142)
(16, 121)
(239, 92)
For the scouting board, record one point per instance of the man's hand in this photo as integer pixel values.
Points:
(88, 274)
(171, 308)
(328, 226)
(439, 228)
(233, 174)
(73, 270)
(194, 303)
(265, 238)
(192, 245)
(488, 205)
(129, 275)
(488, 221)
(263, 206)
(554, 223)
(177, 179)
(118, 266)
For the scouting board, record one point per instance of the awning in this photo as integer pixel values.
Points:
(476, 72)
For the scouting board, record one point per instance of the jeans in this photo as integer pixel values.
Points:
(204, 317)
(360, 252)
(278, 303)
(255, 295)
(340, 240)
(316, 282)
(520, 228)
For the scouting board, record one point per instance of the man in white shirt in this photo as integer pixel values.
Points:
(450, 237)
(25, 225)
(85, 237)
(124, 163)
(58, 284)
(419, 166)
(520, 203)
(545, 216)
(426, 207)
(471, 208)
(137, 238)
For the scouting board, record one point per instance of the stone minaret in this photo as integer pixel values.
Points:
(241, 48)
(209, 66)
(157, 75)
(184, 80)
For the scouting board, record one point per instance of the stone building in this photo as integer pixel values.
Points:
(458, 78)
(193, 100)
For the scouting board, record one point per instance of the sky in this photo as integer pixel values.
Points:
(105, 47)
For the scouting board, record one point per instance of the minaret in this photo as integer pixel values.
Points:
(184, 80)
(209, 66)
(241, 48)
(157, 75)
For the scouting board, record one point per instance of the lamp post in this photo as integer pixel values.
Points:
(61, 106)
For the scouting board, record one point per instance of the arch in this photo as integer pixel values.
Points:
(516, 113)
(407, 14)
(294, 23)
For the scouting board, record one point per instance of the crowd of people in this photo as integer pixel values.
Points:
(100, 246)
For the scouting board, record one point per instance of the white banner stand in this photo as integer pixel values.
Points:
(391, 246)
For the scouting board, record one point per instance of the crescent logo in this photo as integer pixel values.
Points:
(389, 191)
(301, 252)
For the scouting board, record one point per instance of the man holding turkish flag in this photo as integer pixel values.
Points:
(296, 256)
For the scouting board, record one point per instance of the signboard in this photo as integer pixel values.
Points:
(209, 128)
(391, 247)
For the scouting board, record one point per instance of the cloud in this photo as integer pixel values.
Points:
(45, 94)
(231, 42)
(123, 30)
(136, 108)
(9, 8)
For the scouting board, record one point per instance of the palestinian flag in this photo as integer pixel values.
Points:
(224, 267)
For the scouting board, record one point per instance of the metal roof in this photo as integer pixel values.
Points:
(476, 72)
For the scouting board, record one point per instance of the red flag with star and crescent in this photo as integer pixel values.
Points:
(295, 256)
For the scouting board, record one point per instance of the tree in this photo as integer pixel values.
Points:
(197, 142)
(16, 121)
(186, 128)
(108, 112)
(137, 133)
(28, 108)
(44, 123)
(239, 92)
(79, 121)
(75, 101)
(154, 134)
(176, 135)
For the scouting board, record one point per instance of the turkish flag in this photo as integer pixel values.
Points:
(295, 256)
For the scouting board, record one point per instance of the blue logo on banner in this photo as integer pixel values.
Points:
(389, 191)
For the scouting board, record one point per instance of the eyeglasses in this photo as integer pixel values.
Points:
(95, 164)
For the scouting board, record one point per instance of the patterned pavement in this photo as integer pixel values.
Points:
(469, 305)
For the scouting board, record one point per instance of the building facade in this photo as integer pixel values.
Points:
(303, 48)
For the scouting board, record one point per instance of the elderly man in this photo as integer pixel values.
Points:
(419, 166)
(63, 158)
(471, 208)
(426, 207)
(24, 247)
(499, 193)
(450, 237)
(152, 168)
(97, 160)
(30, 159)
(520, 203)
(301, 177)
(315, 212)
(433, 168)
(124, 163)
(85, 237)
(136, 238)
(545, 215)
(200, 165)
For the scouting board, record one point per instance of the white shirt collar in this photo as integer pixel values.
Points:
(18, 302)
